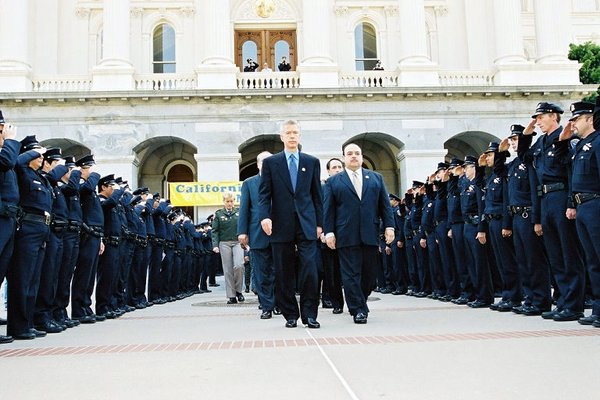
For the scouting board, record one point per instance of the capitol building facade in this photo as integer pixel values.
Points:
(156, 89)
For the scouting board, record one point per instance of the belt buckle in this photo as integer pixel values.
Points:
(47, 219)
(578, 198)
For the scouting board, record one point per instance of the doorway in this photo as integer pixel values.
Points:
(265, 46)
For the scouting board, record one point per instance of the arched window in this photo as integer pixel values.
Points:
(249, 51)
(163, 40)
(365, 47)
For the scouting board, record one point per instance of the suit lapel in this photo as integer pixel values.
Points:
(282, 169)
(348, 182)
(365, 183)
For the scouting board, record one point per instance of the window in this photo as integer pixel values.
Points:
(163, 60)
(365, 47)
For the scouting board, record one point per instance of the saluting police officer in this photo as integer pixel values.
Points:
(30, 241)
(550, 157)
(9, 199)
(522, 205)
(585, 190)
(84, 277)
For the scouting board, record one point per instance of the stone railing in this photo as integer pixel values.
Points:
(369, 79)
(64, 84)
(268, 80)
(466, 78)
(165, 82)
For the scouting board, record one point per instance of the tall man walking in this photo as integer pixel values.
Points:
(291, 214)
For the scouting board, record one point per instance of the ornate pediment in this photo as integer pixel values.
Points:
(264, 10)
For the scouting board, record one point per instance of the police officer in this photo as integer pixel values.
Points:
(475, 230)
(522, 206)
(69, 186)
(156, 243)
(429, 243)
(109, 194)
(585, 190)
(43, 318)
(411, 257)
(9, 198)
(421, 264)
(84, 277)
(139, 265)
(550, 157)
(30, 241)
(500, 228)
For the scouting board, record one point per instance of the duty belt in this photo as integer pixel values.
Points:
(581, 198)
(58, 225)
(37, 218)
(74, 226)
(10, 210)
(517, 210)
(95, 231)
(551, 187)
(141, 241)
(489, 217)
(472, 219)
(170, 244)
(111, 240)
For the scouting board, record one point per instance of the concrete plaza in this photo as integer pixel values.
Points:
(200, 348)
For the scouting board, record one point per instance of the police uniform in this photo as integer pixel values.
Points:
(471, 202)
(30, 243)
(427, 233)
(422, 264)
(550, 158)
(139, 265)
(156, 240)
(43, 315)
(84, 277)
(585, 190)
(496, 214)
(456, 224)
(411, 257)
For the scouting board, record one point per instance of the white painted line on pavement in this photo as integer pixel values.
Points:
(337, 373)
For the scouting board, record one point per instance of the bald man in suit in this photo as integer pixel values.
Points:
(355, 201)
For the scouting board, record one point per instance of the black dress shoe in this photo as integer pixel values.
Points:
(49, 328)
(276, 311)
(479, 304)
(99, 318)
(106, 315)
(312, 323)
(3, 322)
(327, 304)
(550, 314)
(24, 336)
(568, 315)
(240, 297)
(507, 306)
(232, 300)
(291, 323)
(266, 315)
(531, 310)
(385, 291)
(6, 339)
(337, 310)
(588, 320)
(87, 319)
(461, 301)
(37, 333)
(596, 323)
(360, 318)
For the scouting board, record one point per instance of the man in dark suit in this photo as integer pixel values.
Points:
(291, 214)
(250, 233)
(355, 200)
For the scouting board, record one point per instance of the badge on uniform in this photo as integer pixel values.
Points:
(303, 169)
(550, 154)
(497, 180)
(587, 147)
(366, 176)
(522, 167)
(430, 204)
(471, 188)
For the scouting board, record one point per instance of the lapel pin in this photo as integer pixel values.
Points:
(366, 176)
(303, 169)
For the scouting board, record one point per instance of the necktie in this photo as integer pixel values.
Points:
(357, 184)
(293, 167)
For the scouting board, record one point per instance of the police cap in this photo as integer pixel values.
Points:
(30, 143)
(1, 117)
(470, 160)
(141, 191)
(107, 180)
(546, 108)
(492, 147)
(516, 130)
(394, 197)
(69, 161)
(53, 154)
(580, 108)
(456, 162)
(417, 184)
(86, 161)
(442, 166)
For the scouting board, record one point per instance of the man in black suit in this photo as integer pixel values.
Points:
(291, 214)
(355, 201)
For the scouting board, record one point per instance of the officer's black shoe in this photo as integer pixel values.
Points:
(519, 309)
(385, 291)
(446, 298)
(496, 305)
(37, 333)
(240, 297)
(567, 315)
(266, 315)
(360, 318)
(6, 339)
(129, 308)
(461, 301)
(327, 304)
(24, 336)
(232, 300)
(61, 324)
(70, 323)
(550, 314)
(87, 319)
(312, 323)
(421, 295)
(276, 311)
(49, 328)
(338, 310)
(507, 306)
(532, 310)
(479, 304)
(377, 289)
(109, 315)
(291, 323)
(247, 289)
(3, 322)
(596, 323)
(140, 306)
(588, 320)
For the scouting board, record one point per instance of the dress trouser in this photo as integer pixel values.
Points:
(480, 274)
(85, 272)
(463, 261)
(588, 227)
(262, 265)
(7, 241)
(44, 302)
(358, 275)
(504, 252)
(108, 272)
(331, 265)
(232, 257)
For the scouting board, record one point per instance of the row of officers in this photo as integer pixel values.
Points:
(529, 229)
(65, 231)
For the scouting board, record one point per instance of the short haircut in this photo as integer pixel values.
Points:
(328, 166)
(228, 195)
(348, 144)
(262, 155)
(289, 122)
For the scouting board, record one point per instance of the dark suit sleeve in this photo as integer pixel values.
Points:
(265, 191)
(243, 225)
(384, 206)
(9, 154)
(328, 209)
(317, 194)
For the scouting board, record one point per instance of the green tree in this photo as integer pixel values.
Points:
(588, 54)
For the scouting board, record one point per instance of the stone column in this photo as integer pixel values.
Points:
(415, 67)
(552, 31)
(115, 72)
(15, 69)
(417, 164)
(317, 68)
(217, 69)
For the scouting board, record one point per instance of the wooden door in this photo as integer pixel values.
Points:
(265, 46)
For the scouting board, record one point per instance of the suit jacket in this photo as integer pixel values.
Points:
(249, 221)
(355, 221)
(278, 201)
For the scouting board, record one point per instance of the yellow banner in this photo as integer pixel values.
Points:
(203, 193)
